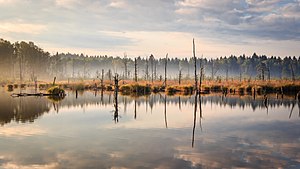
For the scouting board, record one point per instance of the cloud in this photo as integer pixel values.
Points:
(62, 21)
(27, 28)
(117, 4)
(21, 131)
(253, 18)
(34, 166)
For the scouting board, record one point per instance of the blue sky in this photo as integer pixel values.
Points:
(142, 27)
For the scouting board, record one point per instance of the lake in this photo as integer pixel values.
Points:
(155, 131)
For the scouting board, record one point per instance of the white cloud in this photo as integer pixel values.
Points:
(21, 131)
(66, 3)
(33, 166)
(75, 24)
(27, 28)
(117, 4)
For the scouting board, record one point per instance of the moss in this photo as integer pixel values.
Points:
(241, 90)
(42, 86)
(79, 86)
(109, 88)
(249, 89)
(126, 89)
(206, 89)
(188, 90)
(10, 87)
(55, 90)
(215, 88)
(291, 88)
(171, 90)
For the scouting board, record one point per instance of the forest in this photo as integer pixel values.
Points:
(26, 61)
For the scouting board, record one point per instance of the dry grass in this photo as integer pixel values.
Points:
(186, 86)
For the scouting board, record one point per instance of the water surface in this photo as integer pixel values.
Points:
(155, 131)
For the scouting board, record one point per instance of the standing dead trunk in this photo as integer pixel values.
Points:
(195, 67)
(102, 79)
(293, 73)
(125, 66)
(179, 77)
(147, 70)
(166, 61)
(54, 81)
(135, 70)
(155, 75)
(201, 78)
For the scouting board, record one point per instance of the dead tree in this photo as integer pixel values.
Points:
(179, 77)
(147, 70)
(269, 74)
(125, 62)
(226, 72)
(166, 61)
(109, 74)
(155, 74)
(135, 70)
(214, 69)
(102, 79)
(84, 68)
(73, 68)
(152, 60)
(195, 66)
(293, 73)
(201, 78)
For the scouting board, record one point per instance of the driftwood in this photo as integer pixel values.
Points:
(36, 94)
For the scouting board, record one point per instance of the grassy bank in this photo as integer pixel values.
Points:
(129, 87)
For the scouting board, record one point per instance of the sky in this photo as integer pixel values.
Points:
(144, 27)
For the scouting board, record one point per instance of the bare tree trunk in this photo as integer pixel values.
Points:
(293, 73)
(201, 78)
(240, 76)
(125, 66)
(269, 74)
(212, 70)
(151, 62)
(102, 79)
(135, 70)
(227, 73)
(179, 77)
(73, 66)
(147, 70)
(166, 61)
(155, 75)
(195, 66)
(84, 69)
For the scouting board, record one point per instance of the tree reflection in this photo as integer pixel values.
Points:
(197, 96)
(165, 110)
(195, 116)
(22, 109)
(134, 107)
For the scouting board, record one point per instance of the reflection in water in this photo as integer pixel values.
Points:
(165, 111)
(197, 96)
(22, 109)
(134, 107)
(195, 115)
(200, 109)
(237, 134)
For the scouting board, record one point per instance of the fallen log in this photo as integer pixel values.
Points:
(37, 94)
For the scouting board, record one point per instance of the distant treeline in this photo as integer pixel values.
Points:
(26, 61)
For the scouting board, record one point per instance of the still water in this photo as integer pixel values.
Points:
(155, 131)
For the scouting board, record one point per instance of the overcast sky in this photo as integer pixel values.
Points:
(144, 27)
